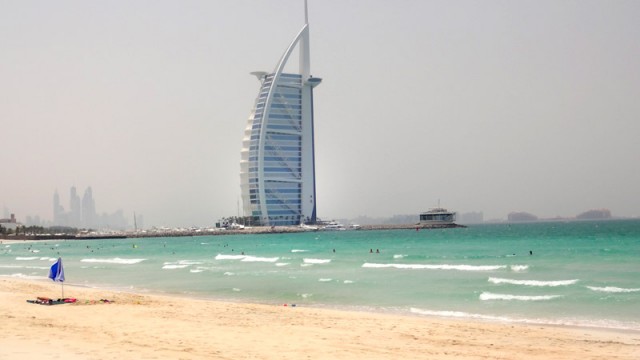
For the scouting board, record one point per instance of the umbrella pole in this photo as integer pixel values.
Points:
(62, 286)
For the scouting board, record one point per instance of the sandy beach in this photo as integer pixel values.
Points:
(140, 326)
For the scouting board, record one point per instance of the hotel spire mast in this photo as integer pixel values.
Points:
(305, 56)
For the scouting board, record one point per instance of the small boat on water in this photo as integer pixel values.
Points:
(333, 225)
(306, 227)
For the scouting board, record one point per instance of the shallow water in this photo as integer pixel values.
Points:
(579, 273)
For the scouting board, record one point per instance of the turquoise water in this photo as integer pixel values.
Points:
(579, 273)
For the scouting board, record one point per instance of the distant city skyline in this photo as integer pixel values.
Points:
(498, 107)
(82, 213)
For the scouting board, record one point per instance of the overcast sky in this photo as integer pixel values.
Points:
(492, 106)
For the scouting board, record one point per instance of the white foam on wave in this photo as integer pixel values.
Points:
(174, 266)
(348, 281)
(519, 267)
(282, 264)
(485, 296)
(436, 267)
(399, 256)
(325, 279)
(48, 259)
(533, 282)
(228, 273)
(246, 258)
(607, 324)
(229, 257)
(612, 289)
(114, 261)
(457, 314)
(298, 251)
(24, 267)
(181, 264)
(24, 258)
(25, 276)
(196, 270)
(260, 259)
(190, 262)
(316, 261)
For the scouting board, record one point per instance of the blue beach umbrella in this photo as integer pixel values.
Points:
(56, 273)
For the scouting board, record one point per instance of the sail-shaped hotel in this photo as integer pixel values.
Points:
(277, 166)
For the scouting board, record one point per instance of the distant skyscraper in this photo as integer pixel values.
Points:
(89, 216)
(58, 211)
(75, 215)
(277, 166)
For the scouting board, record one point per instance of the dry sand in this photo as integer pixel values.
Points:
(157, 327)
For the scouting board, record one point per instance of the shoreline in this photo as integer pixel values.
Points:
(174, 326)
(258, 230)
(467, 317)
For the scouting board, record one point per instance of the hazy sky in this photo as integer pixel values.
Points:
(493, 106)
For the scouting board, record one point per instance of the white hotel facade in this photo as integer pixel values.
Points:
(277, 166)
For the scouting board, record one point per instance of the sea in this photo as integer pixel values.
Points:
(582, 273)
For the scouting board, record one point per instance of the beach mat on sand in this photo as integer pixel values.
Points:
(48, 301)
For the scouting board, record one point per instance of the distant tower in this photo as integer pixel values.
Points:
(277, 166)
(88, 209)
(75, 214)
(57, 209)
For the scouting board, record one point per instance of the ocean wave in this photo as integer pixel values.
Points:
(298, 250)
(519, 267)
(189, 262)
(325, 279)
(316, 261)
(436, 267)
(457, 314)
(246, 258)
(607, 324)
(114, 261)
(612, 289)
(24, 267)
(24, 258)
(398, 256)
(174, 266)
(533, 282)
(229, 257)
(259, 259)
(196, 270)
(24, 276)
(282, 264)
(228, 273)
(490, 296)
(348, 281)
